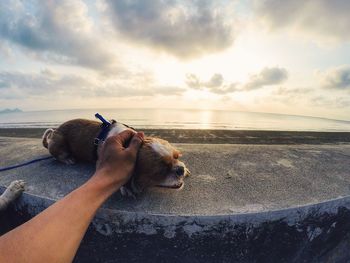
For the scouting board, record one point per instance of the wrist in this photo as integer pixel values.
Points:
(104, 184)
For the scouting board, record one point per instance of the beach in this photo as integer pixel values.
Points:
(200, 136)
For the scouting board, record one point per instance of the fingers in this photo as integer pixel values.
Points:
(128, 138)
(136, 142)
(124, 137)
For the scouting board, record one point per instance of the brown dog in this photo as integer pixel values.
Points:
(157, 161)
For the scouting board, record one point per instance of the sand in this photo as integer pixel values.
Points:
(217, 136)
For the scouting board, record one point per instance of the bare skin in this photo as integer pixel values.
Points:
(55, 234)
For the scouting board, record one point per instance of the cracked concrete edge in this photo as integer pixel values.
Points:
(108, 222)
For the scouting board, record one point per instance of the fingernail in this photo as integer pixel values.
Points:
(141, 135)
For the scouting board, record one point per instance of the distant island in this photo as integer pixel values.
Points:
(10, 110)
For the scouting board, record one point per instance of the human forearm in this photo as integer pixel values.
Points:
(55, 234)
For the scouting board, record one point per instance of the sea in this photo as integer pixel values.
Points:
(178, 119)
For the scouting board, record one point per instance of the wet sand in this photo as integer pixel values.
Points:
(217, 136)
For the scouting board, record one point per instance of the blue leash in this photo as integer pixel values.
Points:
(104, 121)
(2, 169)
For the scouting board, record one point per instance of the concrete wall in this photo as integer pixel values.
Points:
(314, 233)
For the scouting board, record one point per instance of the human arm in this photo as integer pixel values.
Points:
(55, 234)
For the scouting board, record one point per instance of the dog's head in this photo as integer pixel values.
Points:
(158, 165)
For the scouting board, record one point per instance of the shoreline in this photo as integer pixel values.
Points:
(198, 136)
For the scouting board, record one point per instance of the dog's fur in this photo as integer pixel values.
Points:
(157, 162)
(12, 192)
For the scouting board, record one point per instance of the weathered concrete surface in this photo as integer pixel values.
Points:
(225, 179)
(245, 203)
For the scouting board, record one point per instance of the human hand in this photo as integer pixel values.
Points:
(116, 162)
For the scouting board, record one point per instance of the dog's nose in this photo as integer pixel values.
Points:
(180, 170)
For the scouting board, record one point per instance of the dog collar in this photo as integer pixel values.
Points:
(105, 128)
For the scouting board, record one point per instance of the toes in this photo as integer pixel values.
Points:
(13, 184)
(14, 190)
(187, 172)
(17, 185)
(20, 183)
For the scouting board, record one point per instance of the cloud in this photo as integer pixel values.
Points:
(293, 91)
(217, 84)
(267, 77)
(182, 28)
(195, 83)
(59, 31)
(327, 102)
(310, 97)
(5, 50)
(336, 78)
(322, 18)
(46, 84)
(215, 81)
(144, 91)
(287, 95)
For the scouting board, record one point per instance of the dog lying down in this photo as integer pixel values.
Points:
(157, 163)
(12, 192)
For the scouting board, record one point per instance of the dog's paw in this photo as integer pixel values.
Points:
(14, 190)
(126, 192)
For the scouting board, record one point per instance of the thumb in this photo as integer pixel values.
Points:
(136, 142)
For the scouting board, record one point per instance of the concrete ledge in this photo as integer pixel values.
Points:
(314, 233)
(243, 203)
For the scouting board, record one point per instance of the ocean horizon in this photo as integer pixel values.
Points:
(178, 119)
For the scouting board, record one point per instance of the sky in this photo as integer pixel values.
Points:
(278, 56)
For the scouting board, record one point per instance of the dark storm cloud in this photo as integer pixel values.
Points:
(183, 28)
